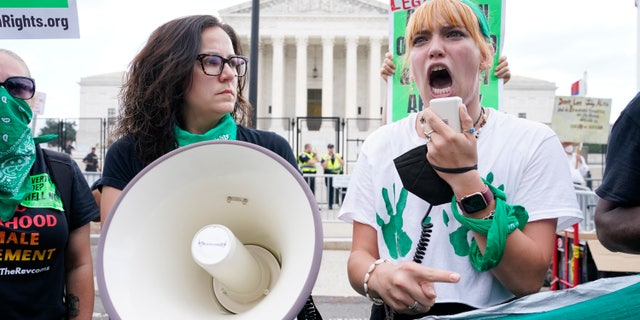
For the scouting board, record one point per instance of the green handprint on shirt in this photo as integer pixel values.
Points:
(397, 241)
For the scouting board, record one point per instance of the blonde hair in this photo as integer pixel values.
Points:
(452, 13)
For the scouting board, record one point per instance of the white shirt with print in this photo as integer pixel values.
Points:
(525, 157)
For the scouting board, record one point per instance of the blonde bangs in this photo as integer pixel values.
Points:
(447, 12)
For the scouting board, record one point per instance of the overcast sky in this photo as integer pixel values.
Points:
(552, 40)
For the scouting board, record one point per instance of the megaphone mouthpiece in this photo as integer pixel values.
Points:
(242, 276)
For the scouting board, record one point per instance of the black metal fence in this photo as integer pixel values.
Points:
(347, 134)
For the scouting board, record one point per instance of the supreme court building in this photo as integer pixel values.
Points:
(319, 67)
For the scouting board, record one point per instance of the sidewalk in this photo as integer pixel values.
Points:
(332, 278)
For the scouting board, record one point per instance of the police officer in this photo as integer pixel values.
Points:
(332, 163)
(307, 160)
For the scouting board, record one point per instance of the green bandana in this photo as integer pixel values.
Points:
(225, 130)
(482, 20)
(45, 138)
(506, 218)
(17, 152)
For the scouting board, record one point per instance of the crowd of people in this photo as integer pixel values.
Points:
(443, 221)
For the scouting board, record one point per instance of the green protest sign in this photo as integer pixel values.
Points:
(403, 98)
(34, 3)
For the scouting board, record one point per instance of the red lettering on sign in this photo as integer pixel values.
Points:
(405, 4)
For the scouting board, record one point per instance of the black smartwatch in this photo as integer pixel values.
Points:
(477, 201)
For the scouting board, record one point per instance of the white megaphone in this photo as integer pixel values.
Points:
(218, 229)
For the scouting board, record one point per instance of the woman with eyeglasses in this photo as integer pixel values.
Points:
(46, 270)
(184, 86)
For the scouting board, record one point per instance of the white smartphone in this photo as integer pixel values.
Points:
(447, 110)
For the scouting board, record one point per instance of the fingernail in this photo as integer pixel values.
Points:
(454, 277)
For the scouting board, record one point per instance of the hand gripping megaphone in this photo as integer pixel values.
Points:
(218, 229)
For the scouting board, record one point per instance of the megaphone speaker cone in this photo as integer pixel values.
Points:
(145, 268)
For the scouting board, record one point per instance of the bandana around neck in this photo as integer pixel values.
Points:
(17, 152)
(225, 130)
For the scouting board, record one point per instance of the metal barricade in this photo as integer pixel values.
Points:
(587, 200)
(91, 177)
(340, 183)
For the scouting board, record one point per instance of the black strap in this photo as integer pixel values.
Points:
(59, 165)
(455, 170)
(378, 312)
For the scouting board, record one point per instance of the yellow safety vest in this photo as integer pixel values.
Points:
(335, 166)
(304, 165)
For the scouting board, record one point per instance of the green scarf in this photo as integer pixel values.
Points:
(17, 152)
(226, 129)
(506, 219)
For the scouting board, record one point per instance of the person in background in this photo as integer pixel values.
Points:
(307, 160)
(184, 86)
(332, 163)
(617, 215)
(91, 161)
(577, 164)
(443, 221)
(68, 147)
(388, 68)
(45, 252)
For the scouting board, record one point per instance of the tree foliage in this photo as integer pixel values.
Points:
(64, 130)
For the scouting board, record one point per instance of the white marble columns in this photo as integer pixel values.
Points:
(327, 76)
(351, 77)
(375, 61)
(277, 77)
(301, 75)
(355, 83)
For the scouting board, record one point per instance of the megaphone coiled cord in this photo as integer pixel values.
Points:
(421, 249)
(309, 311)
(425, 236)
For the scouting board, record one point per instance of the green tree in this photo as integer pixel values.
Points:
(64, 129)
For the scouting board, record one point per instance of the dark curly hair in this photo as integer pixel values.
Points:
(153, 93)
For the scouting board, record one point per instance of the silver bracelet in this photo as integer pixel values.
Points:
(376, 301)
(489, 216)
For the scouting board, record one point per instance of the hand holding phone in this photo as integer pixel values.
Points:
(447, 110)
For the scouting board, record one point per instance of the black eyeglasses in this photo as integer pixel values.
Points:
(20, 87)
(212, 64)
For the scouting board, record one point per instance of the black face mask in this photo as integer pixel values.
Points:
(419, 178)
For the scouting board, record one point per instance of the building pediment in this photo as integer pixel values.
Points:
(112, 78)
(310, 8)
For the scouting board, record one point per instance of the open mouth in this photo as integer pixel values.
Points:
(440, 80)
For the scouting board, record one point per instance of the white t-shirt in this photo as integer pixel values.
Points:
(525, 157)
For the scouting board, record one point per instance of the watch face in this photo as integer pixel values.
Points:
(473, 203)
